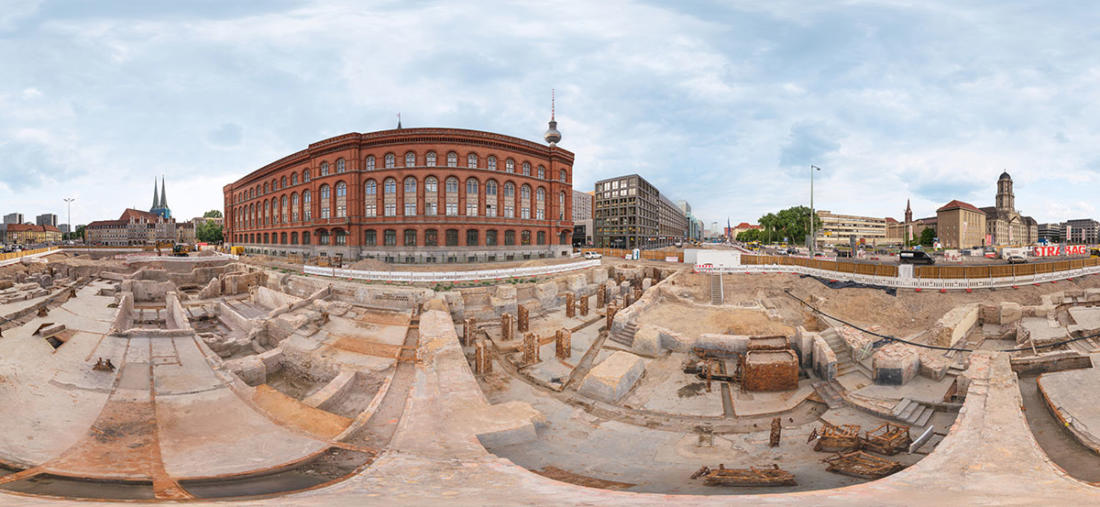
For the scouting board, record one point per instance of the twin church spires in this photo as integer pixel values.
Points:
(160, 204)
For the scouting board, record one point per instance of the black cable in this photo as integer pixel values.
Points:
(888, 338)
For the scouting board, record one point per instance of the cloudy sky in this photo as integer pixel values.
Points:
(724, 103)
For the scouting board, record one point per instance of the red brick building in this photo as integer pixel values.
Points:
(417, 195)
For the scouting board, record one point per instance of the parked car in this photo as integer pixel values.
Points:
(1017, 259)
(592, 255)
(915, 257)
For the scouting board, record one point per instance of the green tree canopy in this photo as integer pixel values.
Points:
(792, 223)
(208, 232)
(927, 236)
(212, 214)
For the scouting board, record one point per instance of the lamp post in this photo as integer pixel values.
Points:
(69, 206)
(813, 239)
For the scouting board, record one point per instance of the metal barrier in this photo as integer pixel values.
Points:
(448, 276)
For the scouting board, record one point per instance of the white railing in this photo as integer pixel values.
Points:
(907, 283)
(448, 276)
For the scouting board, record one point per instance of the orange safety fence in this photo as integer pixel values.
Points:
(24, 253)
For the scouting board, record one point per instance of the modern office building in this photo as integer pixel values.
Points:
(409, 195)
(837, 229)
(1082, 231)
(583, 204)
(1053, 232)
(13, 218)
(49, 219)
(632, 213)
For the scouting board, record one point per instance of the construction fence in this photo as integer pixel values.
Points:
(1002, 271)
(13, 257)
(649, 255)
(856, 268)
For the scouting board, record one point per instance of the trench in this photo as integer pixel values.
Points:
(1055, 440)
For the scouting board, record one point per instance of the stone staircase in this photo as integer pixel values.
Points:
(625, 336)
(717, 294)
(844, 363)
(913, 412)
(830, 392)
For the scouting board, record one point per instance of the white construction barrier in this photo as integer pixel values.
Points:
(448, 276)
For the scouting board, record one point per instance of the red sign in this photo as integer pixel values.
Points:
(1046, 251)
(1077, 249)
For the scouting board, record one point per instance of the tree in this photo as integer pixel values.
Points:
(212, 214)
(792, 223)
(208, 232)
(749, 236)
(927, 236)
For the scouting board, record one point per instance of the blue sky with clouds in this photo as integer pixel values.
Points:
(725, 104)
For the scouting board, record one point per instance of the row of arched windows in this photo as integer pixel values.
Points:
(490, 199)
(408, 237)
(390, 163)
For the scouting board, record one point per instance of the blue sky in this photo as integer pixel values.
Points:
(725, 104)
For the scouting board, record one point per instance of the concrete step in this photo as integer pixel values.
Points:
(925, 416)
(828, 392)
(902, 405)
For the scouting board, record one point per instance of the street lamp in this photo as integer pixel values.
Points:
(813, 239)
(69, 205)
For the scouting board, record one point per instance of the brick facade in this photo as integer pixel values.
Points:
(380, 206)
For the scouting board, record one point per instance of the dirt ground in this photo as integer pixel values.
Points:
(904, 314)
(695, 320)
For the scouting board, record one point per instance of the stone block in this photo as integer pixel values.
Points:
(895, 364)
(989, 314)
(730, 344)
(647, 342)
(599, 276)
(6, 284)
(824, 359)
(250, 369)
(625, 288)
(506, 292)
(673, 341)
(273, 359)
(614, 377)
(770, 371)
(576, 283)
(546, 293)
(1010, 312)
(648, 282)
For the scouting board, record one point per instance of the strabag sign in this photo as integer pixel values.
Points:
(1055, 250)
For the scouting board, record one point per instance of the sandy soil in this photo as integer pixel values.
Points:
(695, 320)
(902, 315)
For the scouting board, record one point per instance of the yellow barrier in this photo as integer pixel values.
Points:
(15, 255)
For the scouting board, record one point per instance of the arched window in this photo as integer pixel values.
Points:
(452, 237)
(471, 161)
(509, 238)
(370, 237)
(490, 198)
(265, 187)
(322, 237)
(491, 162)
(267, 213)
(410, 197)
(431, 237)
(307, 212)
(282, 182)
(341, 199)
(541, 235)
(410, 237)
(305, 176)
(526, 168)
(294, 238)
(471, 197)
(283, 208)
(251, 214)
(389, 197)
(525, 201)
(540, 203)
(431, 196)
(410, 159)
(451, 187)
(561, 206)
(525, 238)
(541, 173)
(295, 212)
(430, 159)
(370, 162)
(389, 237)
(452, 159)
(509, 205)
(509, 166)
(282, 238)
(324, 169)
(370, 200)
(471, 237)
(341, 166)
(305, 238)
(294, 178)
(562, 176)
(490, 237)
(389, 161)
(326, 201)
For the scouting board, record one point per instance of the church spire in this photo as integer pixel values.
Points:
(908, 212)
(163, 198)
(156, 203)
